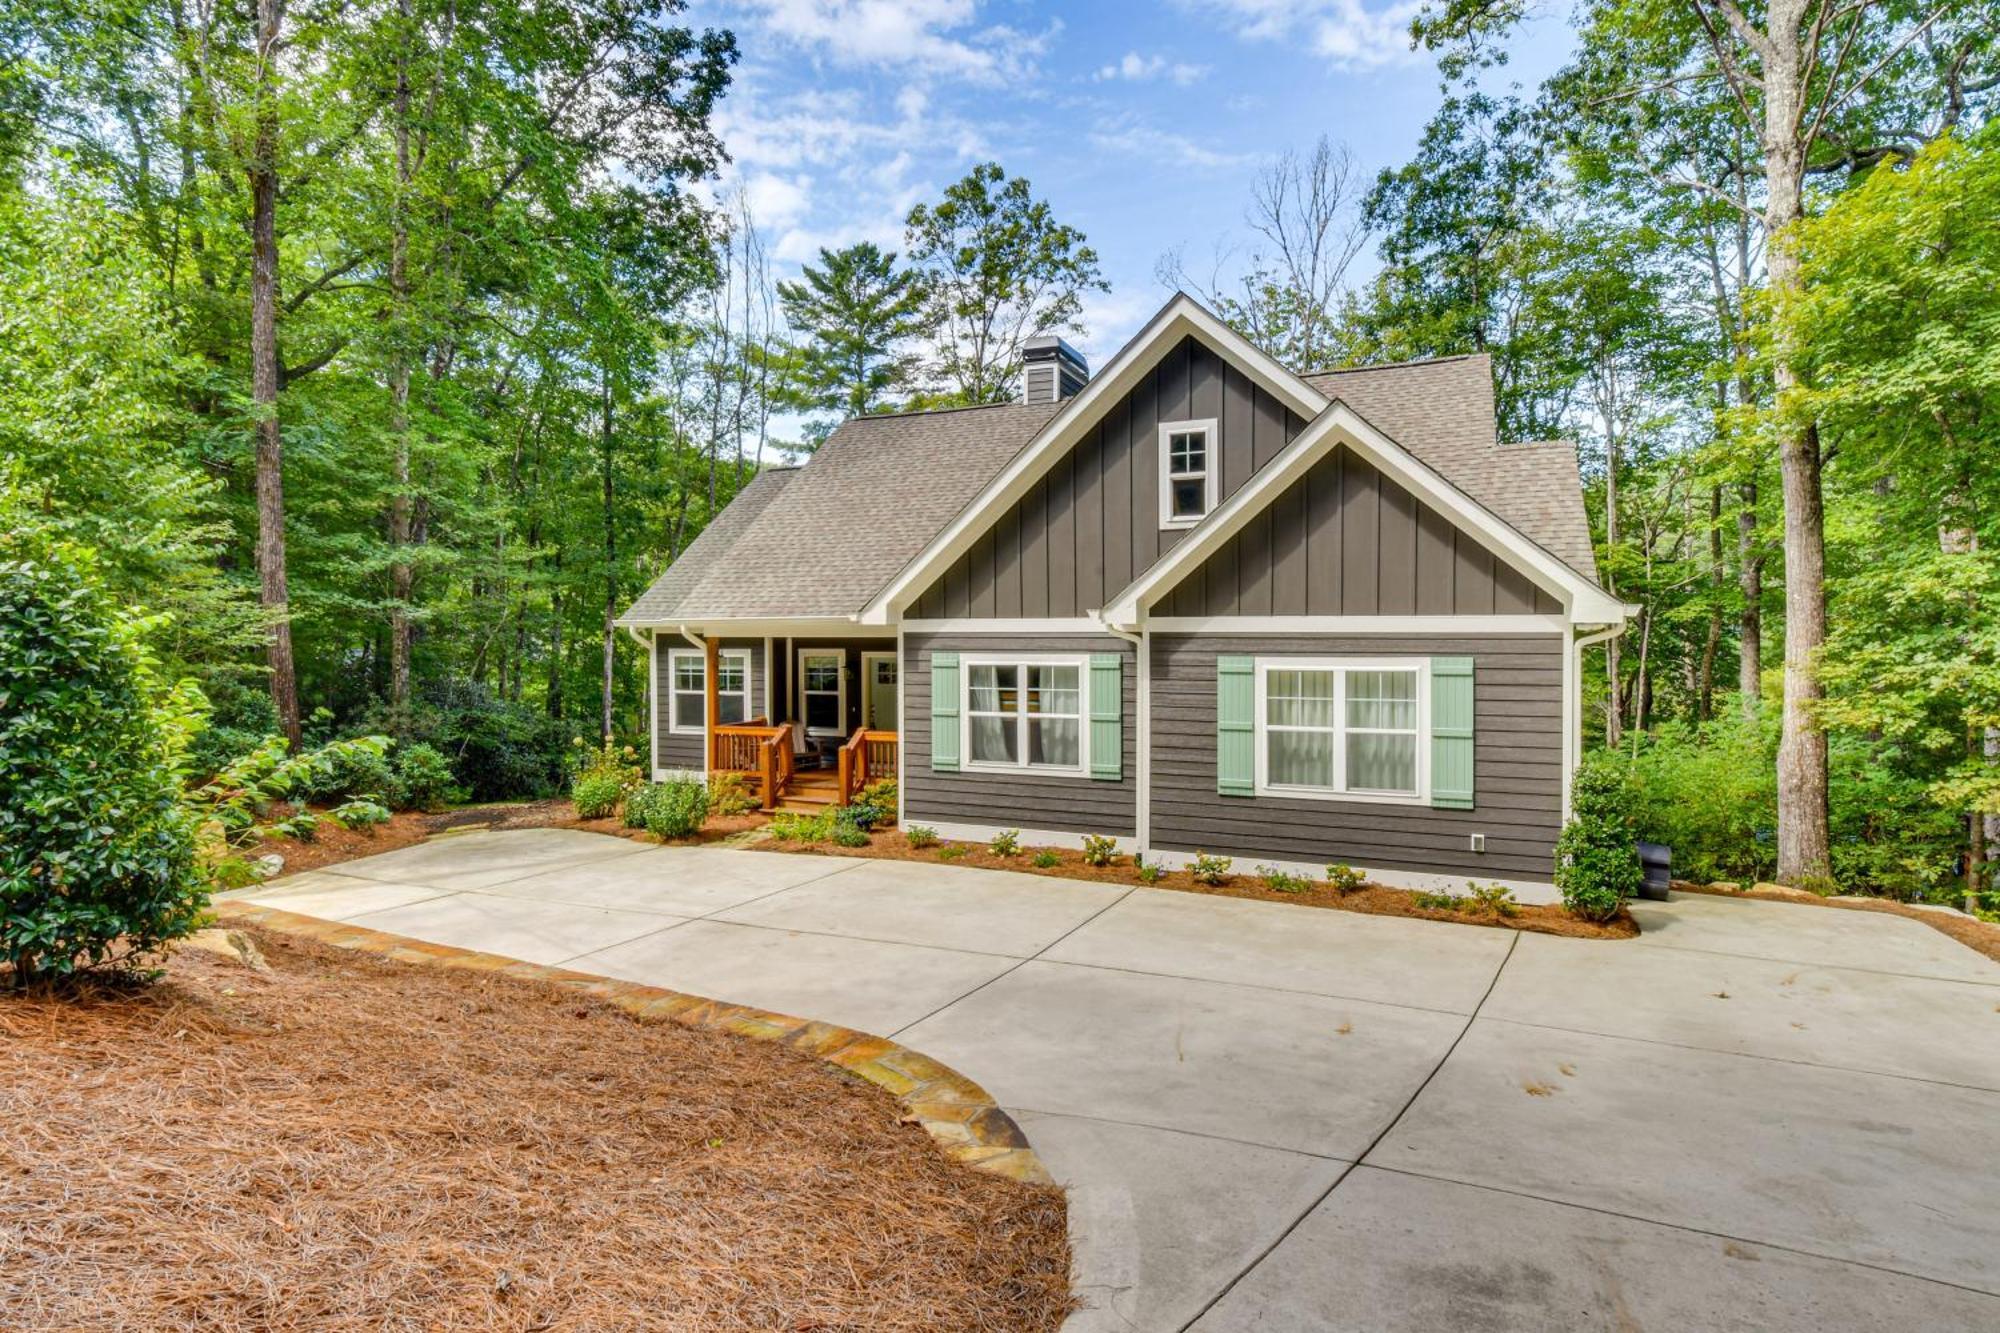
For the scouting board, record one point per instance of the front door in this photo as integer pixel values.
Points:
(880, 670)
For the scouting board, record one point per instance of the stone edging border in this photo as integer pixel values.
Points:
(957, 1113)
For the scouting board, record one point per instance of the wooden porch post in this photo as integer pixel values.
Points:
(711, 663)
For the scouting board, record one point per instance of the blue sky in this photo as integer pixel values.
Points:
(1143, 125)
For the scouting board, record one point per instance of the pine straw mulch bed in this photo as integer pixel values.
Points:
(1979, 936)
(1372, 899)
(346, 1142)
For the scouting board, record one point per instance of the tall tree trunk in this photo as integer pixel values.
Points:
(610, 568)
(401, 576)
(1705, 682)
(1803, 840)
(265, 374)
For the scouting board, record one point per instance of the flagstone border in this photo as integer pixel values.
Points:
(956, 1112)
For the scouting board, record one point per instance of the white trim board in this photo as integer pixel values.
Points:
(1181, 317)
(1067, 625)
(1475, 625)
(1340, 425)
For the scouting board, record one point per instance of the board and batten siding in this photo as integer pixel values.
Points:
(683, 752)
(1015, 800)
(1346, 540)
(1092, 523)
(1517, 764)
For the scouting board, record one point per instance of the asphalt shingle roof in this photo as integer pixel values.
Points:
(1442, 411)
(823, 538)
(827, 538)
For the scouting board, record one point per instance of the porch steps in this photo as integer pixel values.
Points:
(812, 792)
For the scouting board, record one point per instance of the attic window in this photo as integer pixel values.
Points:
(1188, 472)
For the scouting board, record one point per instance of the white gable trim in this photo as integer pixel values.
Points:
(1180, 317)
(1583, 601)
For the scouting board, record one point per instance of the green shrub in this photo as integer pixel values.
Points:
(1149, 871)
(673, 809)
(1007, 842)
(729, 794)
(847, 831)
(883, 795)
(920, 836)
(241, 715)
(1710, 793)
(261, 795)
(423, 778)
(951, 853)
(1099, 850)
(1283, 880)
(1597, 857)
(1210, 870)
(791, 826)
(1344, 878)
(596, 794)
(1045, 860)
(866, 814)
(1494, 898)
(1443, 900)
(344, 772)
(98, 862)
(499, 749)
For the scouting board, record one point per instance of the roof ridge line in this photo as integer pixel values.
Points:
(1391, 365)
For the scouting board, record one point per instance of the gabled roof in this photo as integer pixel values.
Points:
(1442, 411)
(888, 500)
(822, 539)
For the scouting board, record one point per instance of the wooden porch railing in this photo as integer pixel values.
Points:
(762, 752)
(867, 757)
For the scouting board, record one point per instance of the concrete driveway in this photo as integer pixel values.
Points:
(1757, 1116)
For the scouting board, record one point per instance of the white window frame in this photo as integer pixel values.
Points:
(1340, 667)
(675, 656)
(1022, 661)
(838, 654)
(1210, 474)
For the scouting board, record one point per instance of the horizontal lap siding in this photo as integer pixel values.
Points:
(684, 751)
(1517, 764)
(1024, 800)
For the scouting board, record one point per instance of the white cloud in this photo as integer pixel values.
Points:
(1135, 68)
(1351, 34)
(777, 201)
(1136, 140)
(937, 36)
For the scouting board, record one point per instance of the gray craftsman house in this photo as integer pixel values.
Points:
(1197, 601)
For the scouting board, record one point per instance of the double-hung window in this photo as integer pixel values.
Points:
(1189, 470)
(1025, 713)
(688, 709)
(1349, 727)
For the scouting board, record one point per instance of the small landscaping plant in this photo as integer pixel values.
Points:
(1344, 878)
(951, 853)
(600, 778)
(847, 831)
(673, 809)
(882, 794)
(1149, 872)
(1597, 854)
(729, 794)
(1099, 850)
(424, 777)
(1007, 842)
(1210, 870)
(1283, 881)
(1443, 900)
(1045, 860)
(791, 826)
(919, 837)
(1494, 898)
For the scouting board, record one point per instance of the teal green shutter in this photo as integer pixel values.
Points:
(1107, 716)
(944, 712)
(1451, 733)
(1236, 725)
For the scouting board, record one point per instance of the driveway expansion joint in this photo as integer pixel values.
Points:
(958, 1114)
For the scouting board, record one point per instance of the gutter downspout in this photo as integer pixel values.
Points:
(1575, 667)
